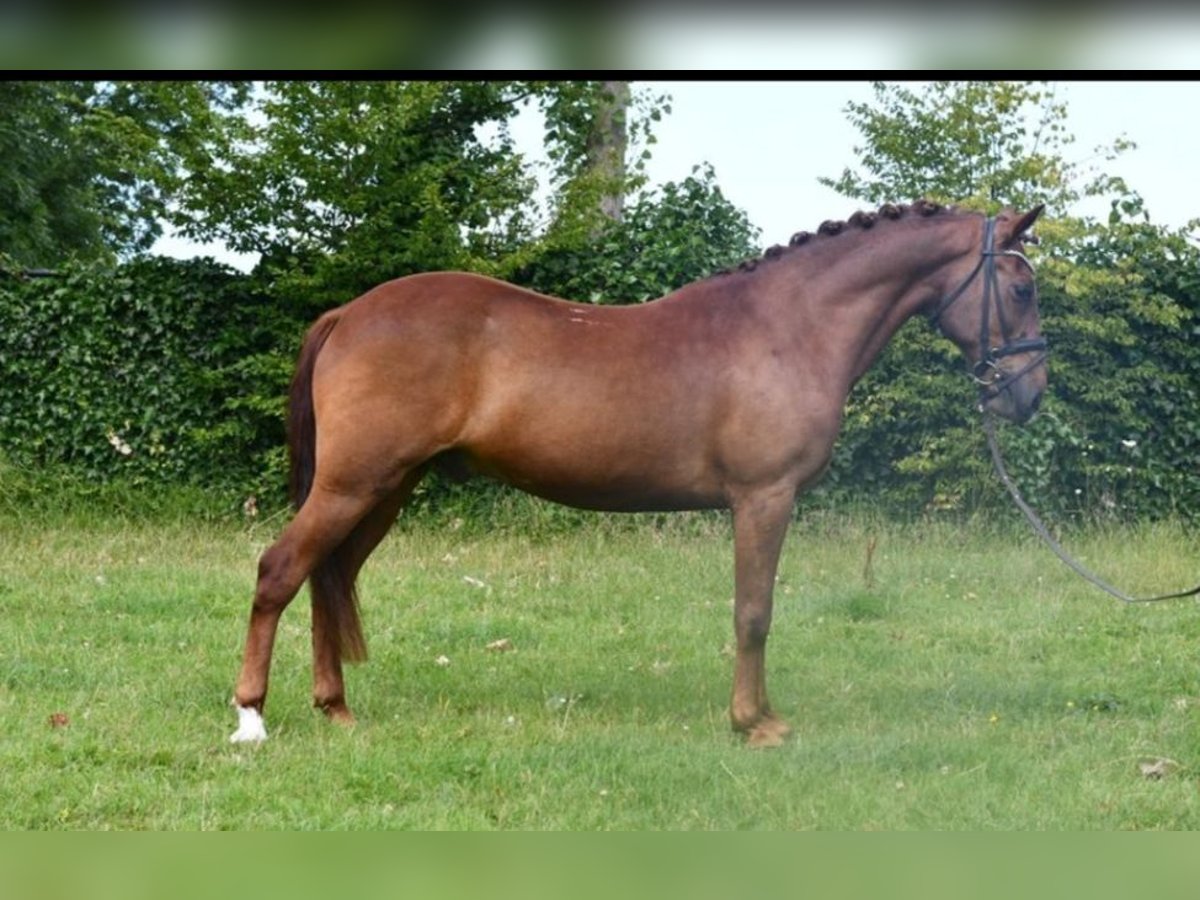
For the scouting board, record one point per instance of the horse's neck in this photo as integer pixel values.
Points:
(853, 299)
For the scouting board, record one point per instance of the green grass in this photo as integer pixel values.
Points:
(968, 680)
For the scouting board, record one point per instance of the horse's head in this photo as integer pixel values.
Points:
(992, 315)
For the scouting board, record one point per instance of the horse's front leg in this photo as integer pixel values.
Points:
(760, 521)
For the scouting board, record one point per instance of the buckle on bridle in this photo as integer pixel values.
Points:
(987, 371)
(992, 379)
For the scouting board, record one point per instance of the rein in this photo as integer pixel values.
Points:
(1040, 529)
(992, 380)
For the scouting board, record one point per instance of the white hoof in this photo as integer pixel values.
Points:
(250, 726)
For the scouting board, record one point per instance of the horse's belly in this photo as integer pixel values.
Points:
(601, 481)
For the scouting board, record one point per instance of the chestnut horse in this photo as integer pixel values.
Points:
(727, 393)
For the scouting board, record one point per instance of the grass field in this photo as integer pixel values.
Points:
(967, 680)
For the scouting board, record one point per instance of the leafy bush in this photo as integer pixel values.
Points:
(154, 372)
(667, 238)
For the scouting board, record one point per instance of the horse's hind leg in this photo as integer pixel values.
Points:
(329, 689)
(322, 523)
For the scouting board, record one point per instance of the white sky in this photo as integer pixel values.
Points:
(769, 140)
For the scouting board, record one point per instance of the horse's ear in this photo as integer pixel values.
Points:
(1023, 224)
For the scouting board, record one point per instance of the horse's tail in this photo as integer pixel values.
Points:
(332, 581)
(301, 421)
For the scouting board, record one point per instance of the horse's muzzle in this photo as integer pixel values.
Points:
(1015, 393)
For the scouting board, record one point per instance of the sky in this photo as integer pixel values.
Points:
(769, 140)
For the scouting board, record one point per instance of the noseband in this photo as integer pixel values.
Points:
(988, 374)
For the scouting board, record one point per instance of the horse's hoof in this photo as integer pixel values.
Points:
(337, 712)
(768, 732)
(250, 726)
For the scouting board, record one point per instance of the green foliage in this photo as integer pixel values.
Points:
(980, 143)
(341, 185)
(598, 138)
(1126, 314)
(43, 183)
(667, 238)
(89, 166)
(154, 372)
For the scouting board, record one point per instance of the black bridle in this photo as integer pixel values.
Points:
(992, 380)
(988, 374)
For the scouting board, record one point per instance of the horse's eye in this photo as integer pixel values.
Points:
(1023, 292)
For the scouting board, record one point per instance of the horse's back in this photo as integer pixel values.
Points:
(495, 322)
(455, 296)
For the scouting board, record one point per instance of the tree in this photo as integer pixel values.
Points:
(599, 135)
(607, 142)
(983, 144)
(42, 181)
(343, 184)
(90, 165)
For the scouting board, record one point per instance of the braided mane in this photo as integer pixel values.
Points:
(832, 227)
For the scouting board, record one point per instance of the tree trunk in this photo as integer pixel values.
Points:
(606, 147)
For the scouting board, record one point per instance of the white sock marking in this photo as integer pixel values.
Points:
(250, 726)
